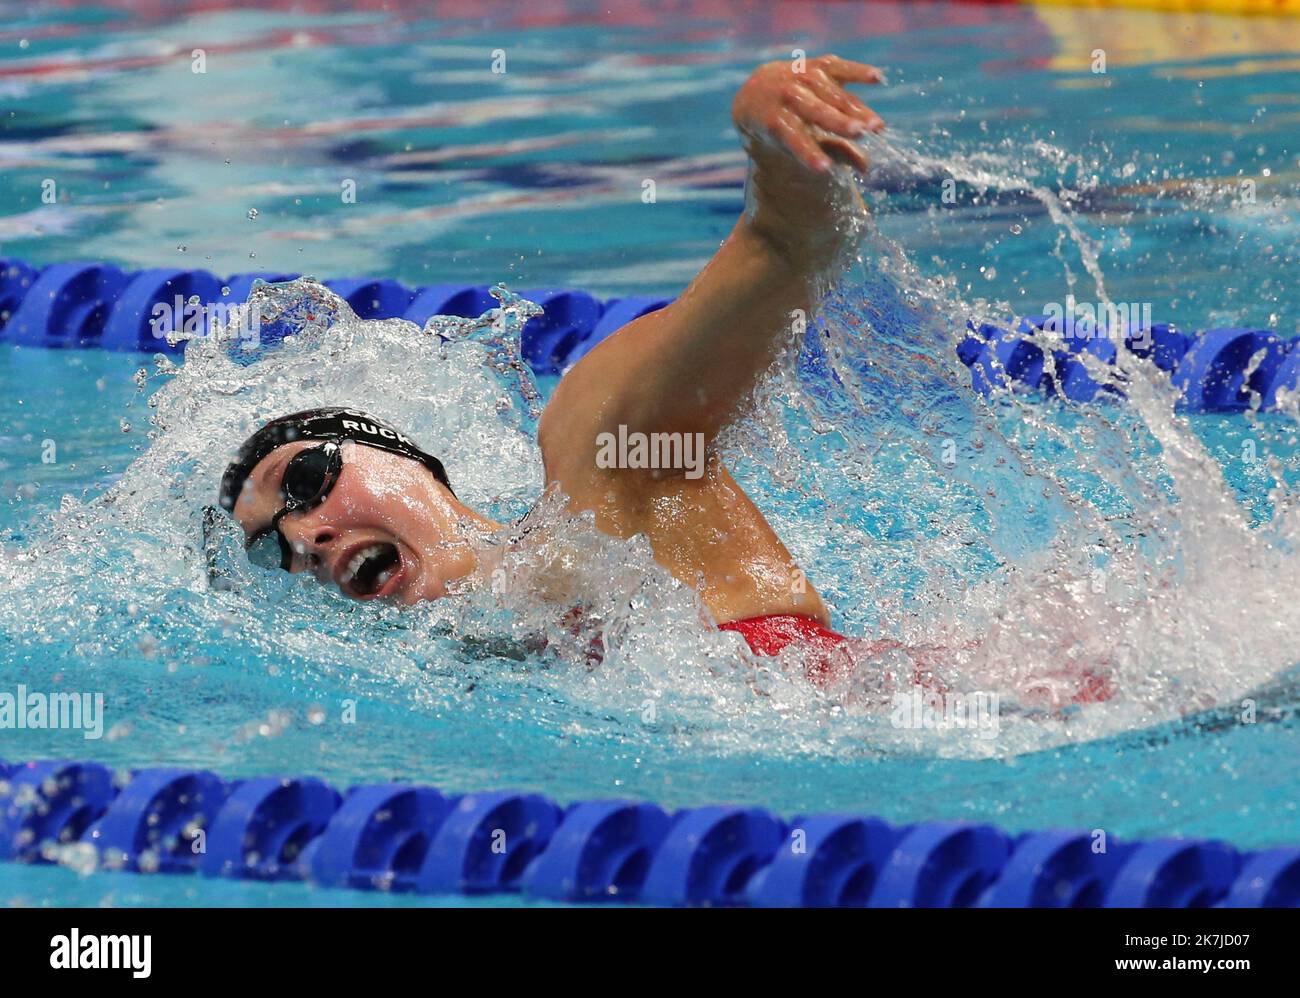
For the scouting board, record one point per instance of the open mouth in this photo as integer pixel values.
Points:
(369, 571)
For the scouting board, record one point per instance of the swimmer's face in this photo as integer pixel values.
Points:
(386, 529)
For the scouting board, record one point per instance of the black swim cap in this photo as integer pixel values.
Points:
(320, 424)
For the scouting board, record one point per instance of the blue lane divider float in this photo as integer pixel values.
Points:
(710, 854)
(90, 304)
(152, 823)
(415, 839)
(1220, 370)
(600, 852)
(265, 825)
(65, 305)
(377, 839)
(96, 305)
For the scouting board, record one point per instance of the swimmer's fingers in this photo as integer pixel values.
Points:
(792, 133)
(846, 152)
(816, 111)
(834, 95)
(847, 71)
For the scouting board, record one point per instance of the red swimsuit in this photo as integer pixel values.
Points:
(768, 635)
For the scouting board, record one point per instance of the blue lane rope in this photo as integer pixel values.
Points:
(97, 305)
(414, 839)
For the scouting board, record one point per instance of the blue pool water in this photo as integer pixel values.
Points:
(534, 177)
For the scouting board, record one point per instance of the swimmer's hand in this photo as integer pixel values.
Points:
(803, 111)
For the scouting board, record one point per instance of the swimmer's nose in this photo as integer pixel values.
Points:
(310, 542)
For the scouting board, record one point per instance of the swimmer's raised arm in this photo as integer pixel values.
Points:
(685, 367)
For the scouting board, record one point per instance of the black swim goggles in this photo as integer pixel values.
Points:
(308, 478)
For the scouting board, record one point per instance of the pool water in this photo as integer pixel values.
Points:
(1127, 183)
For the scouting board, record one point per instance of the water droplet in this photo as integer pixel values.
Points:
(1016, 228)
